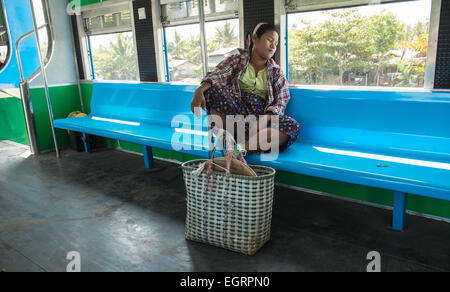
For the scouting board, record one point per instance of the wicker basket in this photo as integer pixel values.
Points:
(233, 213)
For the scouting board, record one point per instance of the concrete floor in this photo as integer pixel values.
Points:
(121, 217)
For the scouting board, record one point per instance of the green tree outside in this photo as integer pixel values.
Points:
(345, 45)
(226, 37)
(349, 44)
(117, 60)
(189, 47)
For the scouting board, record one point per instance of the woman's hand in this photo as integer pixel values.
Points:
(199, 101)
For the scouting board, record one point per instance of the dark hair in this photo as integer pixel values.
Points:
(262, 30)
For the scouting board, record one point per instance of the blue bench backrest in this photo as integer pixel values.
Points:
(141, 102)
(412, 123)
(407, 123)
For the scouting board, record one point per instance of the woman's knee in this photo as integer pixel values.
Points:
(289, 124)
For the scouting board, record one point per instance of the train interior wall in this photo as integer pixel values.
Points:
(65, 99)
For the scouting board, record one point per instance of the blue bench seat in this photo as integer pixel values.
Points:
(144, 133)
(374, 170)
(393, 140)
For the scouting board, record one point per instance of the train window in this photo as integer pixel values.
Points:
(184, 53)
(4, 41)
(186, 11)
(111, 44)
(181, 21)
(113, 56)
(40, 12)
(115, 20)
(373, 45)
(222, 39)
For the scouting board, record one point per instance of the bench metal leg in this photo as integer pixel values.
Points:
(148, 157)
(399, 211)
(87, 147)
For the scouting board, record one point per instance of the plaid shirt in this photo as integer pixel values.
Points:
(228, 72)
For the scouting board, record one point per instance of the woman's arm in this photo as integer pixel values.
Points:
(204, 86)
(222, 75)
(281, 94)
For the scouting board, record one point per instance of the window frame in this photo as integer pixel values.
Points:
(5, 32)
(49, 30)
(84, 36)
(200, 19)
(315, 5)
(430, 64)
(195, 18)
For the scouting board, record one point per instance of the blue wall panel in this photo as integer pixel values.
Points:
(19, 22)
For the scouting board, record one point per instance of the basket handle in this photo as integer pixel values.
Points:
(232, 149)
(212, 152)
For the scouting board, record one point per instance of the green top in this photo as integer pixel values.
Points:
(251, 83)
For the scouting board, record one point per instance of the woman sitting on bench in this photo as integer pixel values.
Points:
(251, 84)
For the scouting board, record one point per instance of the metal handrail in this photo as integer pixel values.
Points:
(26, 100)
(44, 78)
(19, 61)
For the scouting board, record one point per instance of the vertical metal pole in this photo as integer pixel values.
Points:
(166, 55)
(90, 57)
(26, 102)
(44, 78)
(287, 48)
(201, 13)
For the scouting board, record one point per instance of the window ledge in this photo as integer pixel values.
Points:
(362, 88)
